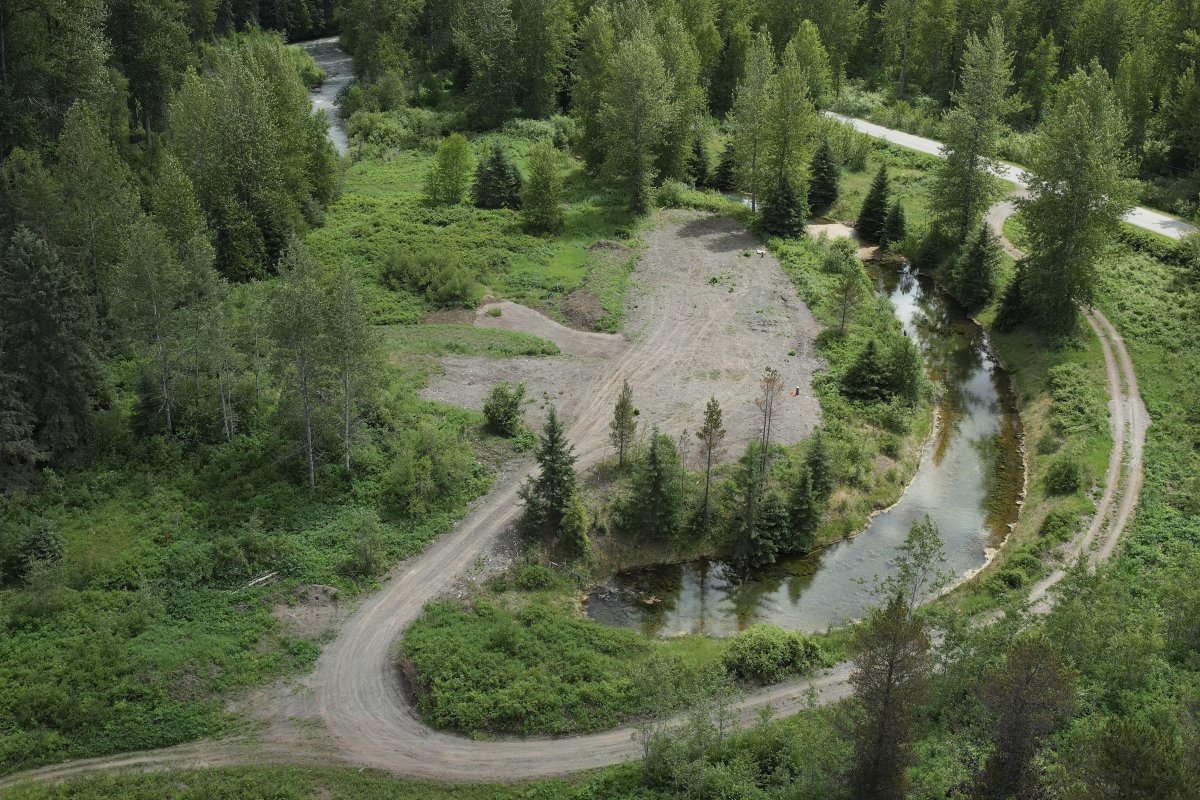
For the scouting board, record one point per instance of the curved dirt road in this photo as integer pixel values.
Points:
(353, 695)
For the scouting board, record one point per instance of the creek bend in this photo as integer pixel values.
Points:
(970, 478)
(339, 70)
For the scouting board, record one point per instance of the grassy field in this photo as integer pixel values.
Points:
(464, 340)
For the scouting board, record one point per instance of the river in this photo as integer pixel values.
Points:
(339, 68)
(969, 480)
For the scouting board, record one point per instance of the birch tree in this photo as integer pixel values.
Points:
(353, 350)
(297, 319)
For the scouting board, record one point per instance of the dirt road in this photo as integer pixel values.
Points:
(351, 710)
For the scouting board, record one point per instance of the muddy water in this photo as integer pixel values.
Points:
(969, 481)
(338, 65)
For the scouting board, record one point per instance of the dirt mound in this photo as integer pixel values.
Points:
(582, 309)
(307, 610)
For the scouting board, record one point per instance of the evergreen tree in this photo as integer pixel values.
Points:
(446, 183)
(47, 328)
(710, 436)
(973, 275)
(572, 533)
(784, 213)
(895, 228)
(541, 198)
(963, 184)
(698, 164)
(546, 497)
(818, 462)
(824, 186)
(623, 425)
(656, 505)
(805, 509)
(723, 178)
(1078, 192)
(873, 215)
(866, 378)
(498, 181)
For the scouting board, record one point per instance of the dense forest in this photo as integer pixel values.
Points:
(210, 370)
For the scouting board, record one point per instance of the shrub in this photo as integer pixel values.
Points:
(1064, 475)
(439, 275)
(1058, 526)
(433, 467)
(1027, 563)
(1012, 578)
(1079, 405)
(503, 408)
(767, 653)
(572, 531)
(670, 195)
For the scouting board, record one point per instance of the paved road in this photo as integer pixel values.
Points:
(1154, 221)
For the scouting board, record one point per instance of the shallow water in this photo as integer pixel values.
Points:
(969, 480)
(338, 67)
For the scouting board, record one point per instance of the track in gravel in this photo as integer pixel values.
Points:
(354, 693)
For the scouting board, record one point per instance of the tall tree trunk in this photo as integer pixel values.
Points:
(346, 389)
(302, 364)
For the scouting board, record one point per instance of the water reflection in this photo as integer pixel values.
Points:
(969, 479)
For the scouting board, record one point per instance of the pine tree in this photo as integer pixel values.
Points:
(47, 328)
(805, 508)
(752, 526)
(657, 502)
(723, 178)
(498, 181)
(698, 165)
(973, 275)
(541, 198)
(784, 213)
(546, 496)
(623, 425)
(824, 186)
(873, 215)
(819, 464)
(866, 378)
(895, 228)
(710, 436)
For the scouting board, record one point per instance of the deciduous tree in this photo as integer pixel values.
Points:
(448, 179)
(541, 198)
(710, 435)
(752, 116)
(624, 424)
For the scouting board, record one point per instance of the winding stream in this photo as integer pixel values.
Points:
(969, 481)
(339, 68)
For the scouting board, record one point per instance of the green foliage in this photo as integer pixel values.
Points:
(973, 276)
(1059, 526)
(784, 214)
(441, 276)
(655, 506)
(448, 180)
(766, 653)
(503, 408)
(824, 186)
(1064, 475)
(498, 182)
(443, 340)
(878, 375)
(895, 228)
(546, 496)
(872, 217)
(432, 470)
(532, 671)
(1080, 406)
(541, 199)
(723, 177)
(572, 533)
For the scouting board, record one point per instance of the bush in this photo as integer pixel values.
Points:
(1079, 405)
(503, 408)
(767, 653)
(1058, 526)
(1064, 475)
(439, 275)
(433, 468)
(534, 577)
(670, 195)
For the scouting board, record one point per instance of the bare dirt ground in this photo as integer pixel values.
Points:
(351, 709)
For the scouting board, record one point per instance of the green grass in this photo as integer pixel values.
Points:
(442, 340)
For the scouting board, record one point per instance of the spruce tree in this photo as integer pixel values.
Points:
(805, 508)
(973, 276)
(48, 329)
(824, 186)
(572, 533)
(546, 496)
(710, 437)
(866, 379)
(819, 463)
(873, 215)
(657, 502)
(723, 178)
(895, 228)
(498, 181)
(783, 215)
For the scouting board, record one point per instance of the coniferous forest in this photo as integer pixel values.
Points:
(590, 296)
